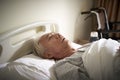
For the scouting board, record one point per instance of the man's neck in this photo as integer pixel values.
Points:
(69, 52)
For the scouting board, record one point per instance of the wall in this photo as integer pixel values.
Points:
(14, 13)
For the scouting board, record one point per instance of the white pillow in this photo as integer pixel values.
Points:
(28, 67)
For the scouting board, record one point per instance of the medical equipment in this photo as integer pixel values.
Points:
(104, 26)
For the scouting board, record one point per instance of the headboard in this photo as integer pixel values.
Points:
(18, 42)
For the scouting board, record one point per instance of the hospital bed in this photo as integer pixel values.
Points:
(15, 45)
(18, 62)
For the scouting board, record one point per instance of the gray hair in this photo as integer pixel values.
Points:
(38, 49)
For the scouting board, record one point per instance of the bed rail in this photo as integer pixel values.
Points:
(47, 27)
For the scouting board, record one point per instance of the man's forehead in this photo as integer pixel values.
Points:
(47, 34)
(44, 37)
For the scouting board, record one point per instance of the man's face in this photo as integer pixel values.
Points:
(55, 43)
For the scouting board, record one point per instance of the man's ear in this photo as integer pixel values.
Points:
(48, 55)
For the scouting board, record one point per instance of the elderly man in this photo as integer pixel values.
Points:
(54, 46)
(90, 64)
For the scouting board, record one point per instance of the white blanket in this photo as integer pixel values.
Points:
(102, 60)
